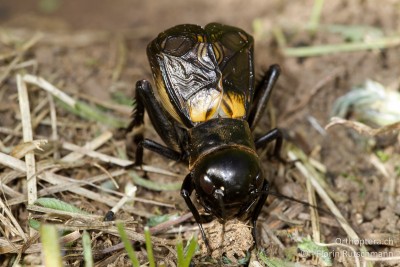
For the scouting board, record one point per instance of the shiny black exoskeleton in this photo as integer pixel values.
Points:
(204, 108)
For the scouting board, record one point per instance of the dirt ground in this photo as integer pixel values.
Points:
(93, 50)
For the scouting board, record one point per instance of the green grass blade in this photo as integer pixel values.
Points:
(158, 219)
(273, 262)
(184, 259)
(123, 99)
(319, 50)
(51, 245)
(35, 224)
(92, 113)
(315, 15)
(87, 249)
(179, 251)
(191, 249)
(308, 246)
(128, 245)
(149, 247)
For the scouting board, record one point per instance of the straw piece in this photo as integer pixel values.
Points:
(102, 198)
(97, 155)
(8, 228)
(315, 223)
(12, 162)
(53, 119)
(13, 220)
(121, 59)
(92, 145)
(42, 83)
(28, 137)
(322, 193)
(128, 196)
(62, 213)
(10, 191)
(153, 169)
(21, 150)
(35, 248)
(362, 128)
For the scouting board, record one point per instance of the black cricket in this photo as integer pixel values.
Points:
(204, 108)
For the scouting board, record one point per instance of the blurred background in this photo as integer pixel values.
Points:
(128, 14)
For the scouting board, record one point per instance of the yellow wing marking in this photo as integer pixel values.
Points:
(166, 103)
(204, 104)
(218, 51)
(201, 38)
(233, 105)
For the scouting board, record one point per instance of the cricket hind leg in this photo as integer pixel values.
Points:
(262, 95)
(165, 127)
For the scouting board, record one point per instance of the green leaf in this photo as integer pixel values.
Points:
(382, 155)
(323, 253)
(240, 262)
(156, 220)
(273, 262)
(128, 245)
(35, 224)
(57, 204)
(146, 183)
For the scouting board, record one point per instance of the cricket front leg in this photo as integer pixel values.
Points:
(186, 191)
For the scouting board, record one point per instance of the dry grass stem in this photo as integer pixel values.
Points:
(53, 119)
(92, 145)
(27, 137)
(362, 128)
(128, 196)
(121, 58)
(36, 248)
(97, 155)
(13, 222)
(328, 201)
(110, 201)
(12, 162)
(64, 214)
(315, 223)
(45, 85)
(163, 226)
(124, 110)
(323, 220)
(21, 150)
(153, 169)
